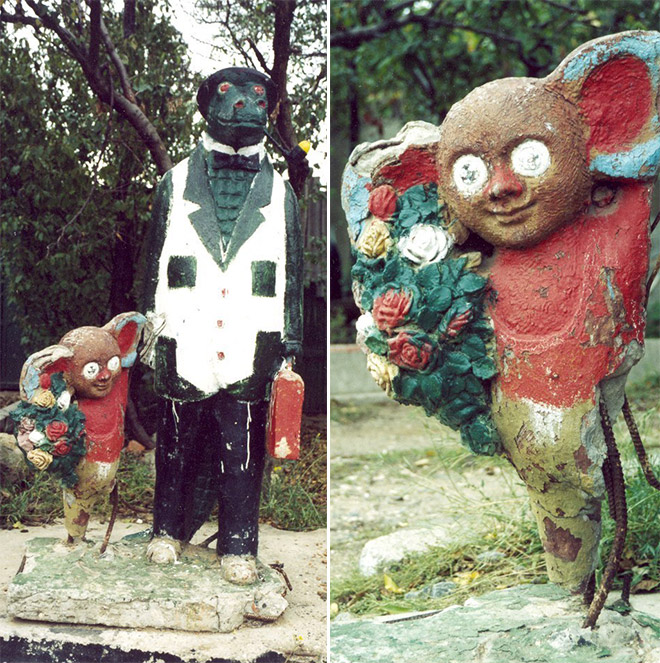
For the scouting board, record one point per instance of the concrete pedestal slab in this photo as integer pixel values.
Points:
(298, 635)
(75, 585)
(526, 624)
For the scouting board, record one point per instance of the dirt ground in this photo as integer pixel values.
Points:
(392, 467)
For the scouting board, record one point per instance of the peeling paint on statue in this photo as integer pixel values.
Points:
(74, 394)
(225, 284)
(556, 175)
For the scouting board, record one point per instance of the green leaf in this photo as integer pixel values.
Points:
(432, 387)
(457, 363)
(484, 368)
(428, 277)
(473, 386)
(392, 270)
(428, 318)
(409, 217)
(367, 299)
(473, 347)
(439, 299)
(471, 283)
(456, 385)
(377, 342)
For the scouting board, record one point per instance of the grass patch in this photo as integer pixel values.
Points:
(384, 593)
(294, 498)
(513, 535)
(36, 498)
(294, 495)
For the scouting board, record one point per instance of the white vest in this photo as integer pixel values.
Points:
(215, 322)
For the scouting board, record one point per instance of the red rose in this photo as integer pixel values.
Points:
(457, 323)
(382, 201)
(62, 447)
(408, 351)
(55, 430)
(390, 309)
(44, 381)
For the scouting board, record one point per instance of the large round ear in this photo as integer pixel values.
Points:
(614, 83)
(378, 172)
(46, 362)
(127, 329)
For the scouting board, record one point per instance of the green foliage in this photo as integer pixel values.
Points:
(77, 182)
(414, 60)
(294, 492)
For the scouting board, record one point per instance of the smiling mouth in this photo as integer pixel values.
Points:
(511, 214)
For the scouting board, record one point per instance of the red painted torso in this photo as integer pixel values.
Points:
(105, 422)
(567, 308)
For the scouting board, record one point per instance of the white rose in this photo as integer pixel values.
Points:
(64, 401)
(35, 437)
(425, 244)
(364, 324)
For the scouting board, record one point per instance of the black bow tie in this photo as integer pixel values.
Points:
(236, 161)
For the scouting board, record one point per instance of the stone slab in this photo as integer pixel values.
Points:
(298, 635)
(65, 584)
(526, 624)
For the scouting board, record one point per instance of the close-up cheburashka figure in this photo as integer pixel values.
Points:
(224, 294)
(526, 347)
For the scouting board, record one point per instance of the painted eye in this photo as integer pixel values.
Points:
(91, 370)
(113, 364)
(530, 159)
(223, 87)
(470, 174)
(259, 89)
(261, 103)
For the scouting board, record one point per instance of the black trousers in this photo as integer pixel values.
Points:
(208, 451)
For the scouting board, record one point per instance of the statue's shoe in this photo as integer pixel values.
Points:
(239, 569)
(163, 550)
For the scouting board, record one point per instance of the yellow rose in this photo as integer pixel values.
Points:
(44, 398)
(375, 240)
(39, 458)
(474, 259)
(382, 371)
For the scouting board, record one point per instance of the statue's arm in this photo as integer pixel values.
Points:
(293, 294)
(155, 240)
(153, 248)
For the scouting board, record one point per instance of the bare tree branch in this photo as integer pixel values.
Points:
(352, 39)
(94, 33)
(118, 64)
(566, 8)
(20, 18)
(126, 103)
(237, 44)
(260, 57)
(128, 18)
(69, 40)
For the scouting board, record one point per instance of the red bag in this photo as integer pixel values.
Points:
(285, 415)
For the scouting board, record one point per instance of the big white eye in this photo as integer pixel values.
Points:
(91, 370)
(113, 364)
(530, 159)
(470, 174)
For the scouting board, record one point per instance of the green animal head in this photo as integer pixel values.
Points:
(235, 103)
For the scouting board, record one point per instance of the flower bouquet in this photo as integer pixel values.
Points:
(423, 325)
(51, 430)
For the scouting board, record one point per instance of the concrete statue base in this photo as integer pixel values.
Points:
(65, 584)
